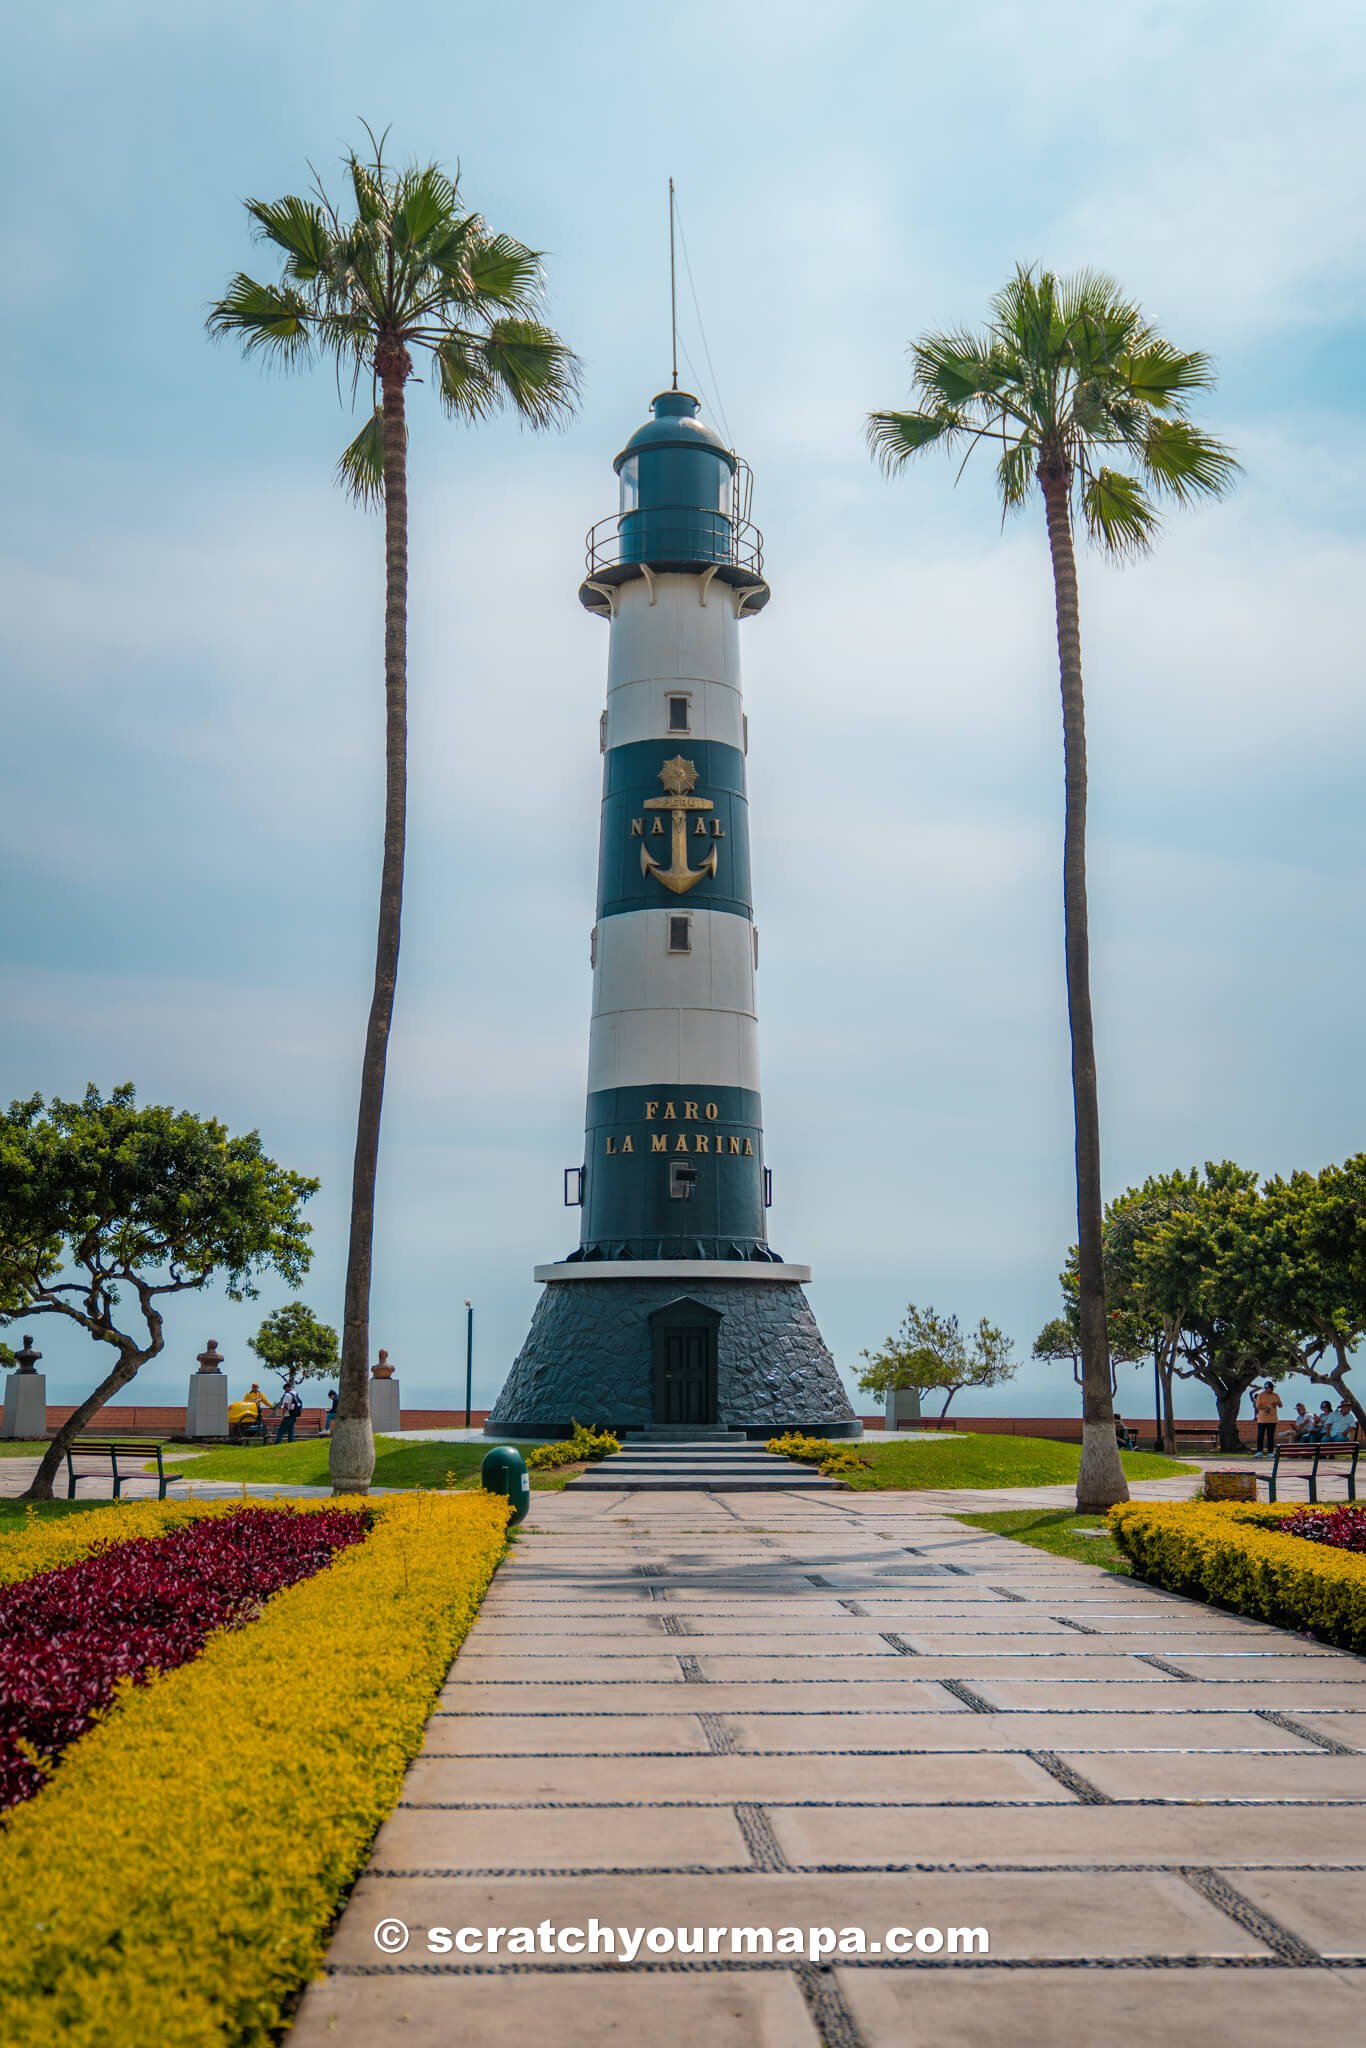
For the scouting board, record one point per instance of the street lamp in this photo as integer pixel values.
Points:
(469, 1358)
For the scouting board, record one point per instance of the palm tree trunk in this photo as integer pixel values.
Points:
(351, 1458)
(1100, 1482)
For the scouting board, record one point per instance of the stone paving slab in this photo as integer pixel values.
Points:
(859, 1780)
(1200, 1774)
(563, 1838)
(1300, 1696)
(721, 2009)
(1042, 2008)
(1325, 1908)
(835, 1696)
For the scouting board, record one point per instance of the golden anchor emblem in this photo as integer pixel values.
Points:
(679, 778)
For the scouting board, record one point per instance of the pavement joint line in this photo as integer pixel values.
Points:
(666, 1966)
(757, 1829)
(720, 1740)
(875, 1805)
(1006, 1594)
(1292, 1727)
(830, 2016)
(673, 1625)
(852, 1607)
(1080, 1787)
(889, 1636)
(693, 1674)
(519, 1873)
(1081, 1628)
(525, 1756)
(973, 1701)
(1262, 1926)
(1161, 1664)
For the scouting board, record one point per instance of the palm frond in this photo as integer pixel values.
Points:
(538, 375)
(952, 369)
(424, 200)
(464, 381)
(360, 467)
(894, 437)
(1184, 464)
(1016, 473)
(505, 273)
(367, 186)
(1157, 373)
(1118, 513)
(268, 317)
(297, 226)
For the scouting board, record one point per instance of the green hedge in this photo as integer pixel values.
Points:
(1237, 1557)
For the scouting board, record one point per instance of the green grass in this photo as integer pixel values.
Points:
(14, 1512)
(1056, 1530)
(989, 1461)
(305, 1464)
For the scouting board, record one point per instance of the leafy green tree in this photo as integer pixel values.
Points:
(106, 1209)
(930, 1350)
(295, 1345)
(1067, 381)
(1311, 1269)
(411, 272)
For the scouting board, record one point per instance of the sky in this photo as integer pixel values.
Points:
(191, 628)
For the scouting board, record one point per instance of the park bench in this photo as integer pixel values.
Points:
(1295, 1455)
(1195, 1436)
(135, 1453)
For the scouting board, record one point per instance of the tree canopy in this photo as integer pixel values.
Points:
(108, 1208)
(929, 1350)
(295, 1344)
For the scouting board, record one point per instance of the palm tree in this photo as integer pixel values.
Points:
(1069, 377)
(410, 272)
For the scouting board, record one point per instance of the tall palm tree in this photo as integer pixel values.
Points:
(409, 272)
(1068, 378)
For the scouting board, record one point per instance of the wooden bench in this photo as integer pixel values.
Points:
(114, 1450)
(1315, 1454)
(1194, 1436)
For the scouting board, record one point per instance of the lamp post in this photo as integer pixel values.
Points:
(469, 1358)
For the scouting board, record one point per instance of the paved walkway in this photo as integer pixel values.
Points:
(852, 1711)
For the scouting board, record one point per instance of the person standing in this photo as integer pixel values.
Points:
(1267, 1404)
(290, 1405)
(331, 1415)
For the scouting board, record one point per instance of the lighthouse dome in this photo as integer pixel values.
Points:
(675, 424)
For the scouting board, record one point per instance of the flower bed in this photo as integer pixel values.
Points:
(176, 1881)
(585, 1446)
(832, 1458)
(1244, 1558)
(69, 1635)
(1344, 1528)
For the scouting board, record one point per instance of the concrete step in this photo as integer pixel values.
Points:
(797, 1478)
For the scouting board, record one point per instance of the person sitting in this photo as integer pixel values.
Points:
(1301, 1422)
(1317, 1432)
(1127, 1439)
(1341, 1425)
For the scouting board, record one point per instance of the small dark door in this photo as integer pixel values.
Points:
(685, 1364)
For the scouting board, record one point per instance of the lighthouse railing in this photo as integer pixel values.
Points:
(674, 535)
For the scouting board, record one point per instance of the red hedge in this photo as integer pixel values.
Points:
(1343, 1527)
(136, 1608)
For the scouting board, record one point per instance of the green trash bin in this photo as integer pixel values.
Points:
(504, 1471)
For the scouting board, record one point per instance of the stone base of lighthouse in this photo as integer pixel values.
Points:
(670, 1343)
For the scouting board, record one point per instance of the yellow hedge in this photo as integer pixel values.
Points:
(1236, 1556)
(176, 1881)
(832, 1457)
(39, 1545)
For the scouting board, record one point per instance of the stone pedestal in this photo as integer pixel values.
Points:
(903, 1407)
(206, 1410)
(384, 1409)
(25, 1413)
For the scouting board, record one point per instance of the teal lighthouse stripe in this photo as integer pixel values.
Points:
(673, 1134)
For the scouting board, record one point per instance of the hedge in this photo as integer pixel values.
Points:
(1237, 1557)
(176, 1881)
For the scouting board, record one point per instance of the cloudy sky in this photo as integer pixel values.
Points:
(190, 625)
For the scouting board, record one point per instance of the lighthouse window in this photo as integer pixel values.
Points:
(630, 483)
(680, 714)
(680, 935)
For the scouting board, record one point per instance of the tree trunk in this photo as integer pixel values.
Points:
(1100, 1482)
(1229, 1400)
(40, 1486)
(1168, 1419)
(351, 1458)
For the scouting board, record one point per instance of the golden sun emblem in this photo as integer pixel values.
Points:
(678, 776)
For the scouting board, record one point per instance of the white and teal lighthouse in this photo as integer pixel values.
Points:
(674, 1310)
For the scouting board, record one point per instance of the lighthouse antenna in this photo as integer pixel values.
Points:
(673, 287)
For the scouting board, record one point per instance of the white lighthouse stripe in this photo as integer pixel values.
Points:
(640, 711)
(673, 1048)
(636, 971)
(675, 635)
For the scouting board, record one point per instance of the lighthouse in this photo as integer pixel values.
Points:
(674, 1311)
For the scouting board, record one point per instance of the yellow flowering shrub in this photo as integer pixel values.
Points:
(1236, 1556)
(176, 1881)
(39, 1545)
(832, 1458)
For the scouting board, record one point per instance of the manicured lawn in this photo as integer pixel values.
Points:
(305, 1464)
(1057, 1530)
(989, 1461)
